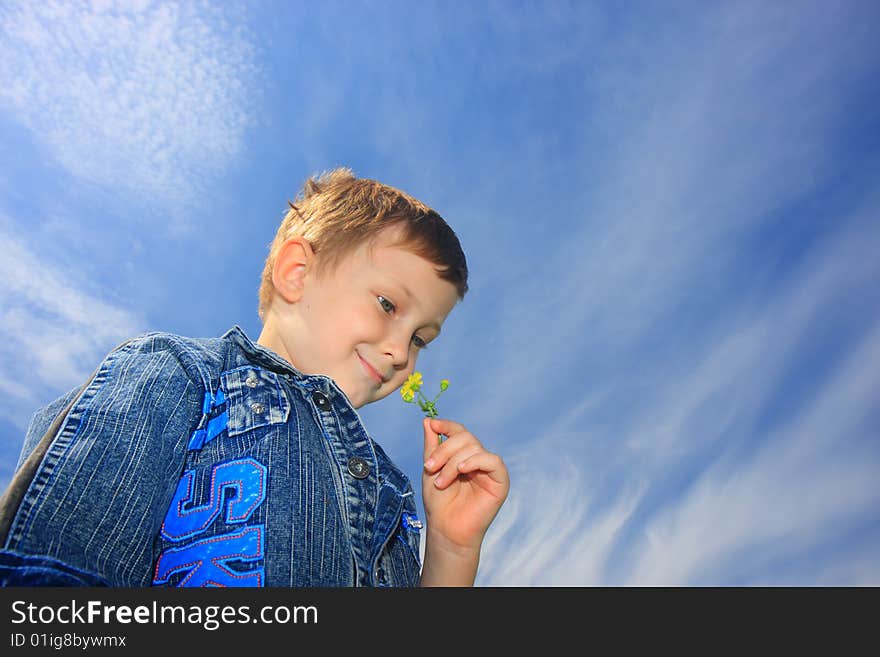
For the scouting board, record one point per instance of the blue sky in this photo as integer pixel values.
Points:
(671, 214)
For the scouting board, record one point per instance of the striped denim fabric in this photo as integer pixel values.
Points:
(207, 462)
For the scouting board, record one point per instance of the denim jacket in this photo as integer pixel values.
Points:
(208, 462)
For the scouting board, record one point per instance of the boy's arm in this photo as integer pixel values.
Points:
(463, 487)
(446, 565)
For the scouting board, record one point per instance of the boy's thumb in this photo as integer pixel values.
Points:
(430, 437)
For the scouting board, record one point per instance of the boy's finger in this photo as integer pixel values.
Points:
(449, 449)
(450, 469)
(430, 439)
(491, 464)
(446, 427)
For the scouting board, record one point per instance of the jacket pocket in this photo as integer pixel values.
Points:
(254, 398)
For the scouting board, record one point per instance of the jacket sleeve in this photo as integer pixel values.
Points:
(41, 420)
(91, 483)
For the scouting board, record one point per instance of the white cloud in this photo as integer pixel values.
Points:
(707, 151)
(53, 333)
(554, 529)
(806, 483)
(786, 493)
(149, 97)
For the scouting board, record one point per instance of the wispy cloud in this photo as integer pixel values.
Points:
(694, 169)
(779, 489)
(144, 98)
(140, 103)
(53, 332)
(682, 468)
(814, 478)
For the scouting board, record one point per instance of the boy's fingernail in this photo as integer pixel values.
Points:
(429, 464)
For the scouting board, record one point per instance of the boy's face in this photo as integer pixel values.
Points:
(362, 324)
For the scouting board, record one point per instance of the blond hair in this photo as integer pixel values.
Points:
(337, 212)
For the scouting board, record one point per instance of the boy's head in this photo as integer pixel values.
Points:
(359, 278)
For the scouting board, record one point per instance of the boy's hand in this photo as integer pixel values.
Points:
(463, 486)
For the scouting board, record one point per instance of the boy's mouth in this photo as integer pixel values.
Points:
(372, 372)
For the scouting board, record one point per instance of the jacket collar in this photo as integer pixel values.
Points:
(269, 359)
(261, 354)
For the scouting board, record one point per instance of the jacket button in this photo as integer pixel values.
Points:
(321, 400)
(251, 381)
(258, 408)
(358, 468)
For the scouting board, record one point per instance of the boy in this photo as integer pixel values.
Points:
(220, 462)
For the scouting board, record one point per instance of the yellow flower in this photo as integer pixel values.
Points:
(412, 386)
(414, 381)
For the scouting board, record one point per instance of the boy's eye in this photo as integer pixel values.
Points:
(387, 306)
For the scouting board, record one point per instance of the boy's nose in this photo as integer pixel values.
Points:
(399, 357)
(398, 350)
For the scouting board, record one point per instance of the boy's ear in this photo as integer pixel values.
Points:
(295, 258)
